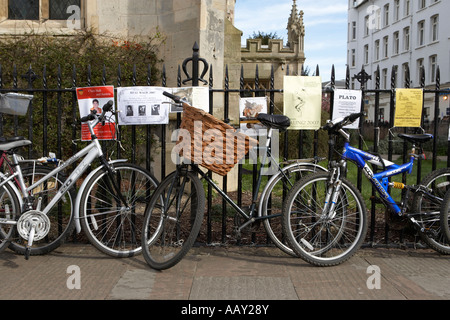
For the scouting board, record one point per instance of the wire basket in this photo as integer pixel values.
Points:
(15, 103)
(212, 143)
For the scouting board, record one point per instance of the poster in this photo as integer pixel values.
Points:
(142, 105)
(196, 96)
(347, 102)
(249, 109)
(148, 105)
(408, 108)
(94, 98)
(303, 102)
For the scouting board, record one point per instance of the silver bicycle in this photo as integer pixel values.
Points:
(39, 206)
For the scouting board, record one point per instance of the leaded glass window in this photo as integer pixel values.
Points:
(23, 9)
(58, 8)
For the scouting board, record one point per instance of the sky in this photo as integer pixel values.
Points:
(325, 24)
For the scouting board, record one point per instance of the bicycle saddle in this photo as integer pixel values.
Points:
(274, 121)
(12, 143)
(416, 138)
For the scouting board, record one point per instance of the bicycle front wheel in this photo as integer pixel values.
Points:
(112, 226)
(173, 220)
(318, 235)
(275, 192)
(428, 209)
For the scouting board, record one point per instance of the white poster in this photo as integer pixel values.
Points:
(148, 105)
(142, 105)
(197, 97)
(347, 102)
(303, 102)
(249, 109)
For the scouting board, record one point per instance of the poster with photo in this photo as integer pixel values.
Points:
(141, 106)
(249, 109)
(148, 105)
(197, 97)
(303, 102)
(94, 98)
(347, 102)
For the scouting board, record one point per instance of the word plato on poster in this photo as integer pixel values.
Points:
(408, 108)
(93, 99)
(303, 102)
(347, 102)
(249, 109)
(148, 105)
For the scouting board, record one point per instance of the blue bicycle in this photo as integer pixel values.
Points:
(325, 216)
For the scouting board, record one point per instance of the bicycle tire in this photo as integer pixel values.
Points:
(173, 220)
(9, 209)
(61, 215)
(272, 197)
(319, 241)
(445, 208)
(110, 227)
(439, 182)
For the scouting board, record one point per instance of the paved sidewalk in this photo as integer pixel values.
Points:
(231, 274)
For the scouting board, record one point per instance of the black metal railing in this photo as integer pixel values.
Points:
(53, 120)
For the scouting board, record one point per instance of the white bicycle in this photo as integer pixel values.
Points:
(39, 206)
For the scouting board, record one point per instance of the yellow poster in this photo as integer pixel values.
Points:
(408, 108)
(303, 102)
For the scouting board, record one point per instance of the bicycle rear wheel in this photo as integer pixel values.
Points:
(428, 210)
(9, 213)
(445, 208)
(173, 219)
(110, 226)
(271, 202)
(60, 216)
(318, 236)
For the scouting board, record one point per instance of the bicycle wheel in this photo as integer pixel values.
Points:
(272, 198)
(9, 212)
(445, 208)
(321, 237)
(428, 210)
(112, 227)
(60, 216)
(173, 220)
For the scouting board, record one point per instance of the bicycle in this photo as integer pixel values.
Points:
(175, 213)
(324, 215)
(109, 206)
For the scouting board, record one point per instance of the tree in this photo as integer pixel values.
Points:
(265, 37)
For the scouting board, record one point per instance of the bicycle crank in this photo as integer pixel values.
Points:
(33, 226)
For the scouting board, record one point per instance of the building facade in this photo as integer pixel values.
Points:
(400, 35)
(180, 22)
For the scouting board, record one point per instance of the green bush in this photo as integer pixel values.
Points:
(68, 61)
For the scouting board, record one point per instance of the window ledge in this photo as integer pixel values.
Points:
(43, 26)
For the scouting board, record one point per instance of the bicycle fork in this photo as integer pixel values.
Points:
(334, 187)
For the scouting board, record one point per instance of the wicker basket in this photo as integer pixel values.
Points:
(204, 145)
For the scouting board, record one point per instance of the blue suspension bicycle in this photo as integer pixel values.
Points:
(325, 216)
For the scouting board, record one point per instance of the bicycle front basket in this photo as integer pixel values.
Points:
(218, 152)
(15, 103)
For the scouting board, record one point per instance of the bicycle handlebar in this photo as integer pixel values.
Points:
(93, 115)
(338, 124)
(173, 97)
